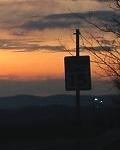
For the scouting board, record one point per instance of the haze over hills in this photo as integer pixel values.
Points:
(20, 101)
(30, 116)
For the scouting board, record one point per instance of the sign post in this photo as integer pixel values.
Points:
(77, 89)
(77, 74)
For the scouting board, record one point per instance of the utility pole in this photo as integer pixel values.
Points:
(77, 76)
(77, 88)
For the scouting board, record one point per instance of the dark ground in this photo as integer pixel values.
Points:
(56, 127)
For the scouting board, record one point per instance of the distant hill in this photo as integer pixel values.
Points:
(20, 101)
(28, 115)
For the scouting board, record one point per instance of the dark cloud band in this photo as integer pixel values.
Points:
(28, 46)
(66, 20)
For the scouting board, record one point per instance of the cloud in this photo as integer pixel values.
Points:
(65, 20)
(104, 0)
(16, 12)
(17, 15)
(103, 47)
(98, 48)
(55, 48)
(28, 46)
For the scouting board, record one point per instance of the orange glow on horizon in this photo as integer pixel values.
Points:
(34, 65)
(31, 66)
(39, 65)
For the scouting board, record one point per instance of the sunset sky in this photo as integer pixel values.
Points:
(35, 36)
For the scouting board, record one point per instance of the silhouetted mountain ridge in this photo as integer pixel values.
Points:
(28, 115)
(20, 101)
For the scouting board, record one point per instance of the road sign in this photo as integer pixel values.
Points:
(77, 73)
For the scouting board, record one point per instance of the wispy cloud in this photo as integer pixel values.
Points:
(28, 46)
(16, 12)
(104, 0)
(65, 20)
(98, 48)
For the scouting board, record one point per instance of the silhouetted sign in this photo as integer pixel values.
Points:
(77, 73)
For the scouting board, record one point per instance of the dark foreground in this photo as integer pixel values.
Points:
(56, 127)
